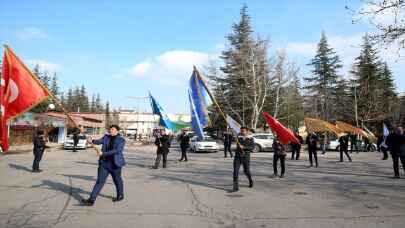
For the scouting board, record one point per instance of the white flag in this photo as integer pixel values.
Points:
(235, 126)
(385, 130)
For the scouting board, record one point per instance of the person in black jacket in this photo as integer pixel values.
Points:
(244, 147)
(227, 143)
(279, 154)
(296, 147)
(38, 150)
(75, 139)
(162, 142)
(343, 147)
(396, 145)
(184, 145)
(312, 144)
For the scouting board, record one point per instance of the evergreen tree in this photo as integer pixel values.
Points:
(322, 83)
(70, 105)
(108, 119)
(84, 100)
(54, 85)
(99, 106)
(93, 104)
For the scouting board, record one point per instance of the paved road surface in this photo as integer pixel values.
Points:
(195, 194)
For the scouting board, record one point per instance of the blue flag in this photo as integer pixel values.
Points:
(158, 110)
(198, 97)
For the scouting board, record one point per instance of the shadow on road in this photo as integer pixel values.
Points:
(19, 167)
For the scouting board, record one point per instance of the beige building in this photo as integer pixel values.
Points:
(133, 122)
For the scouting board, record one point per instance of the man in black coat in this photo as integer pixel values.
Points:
(162, 142)
(343, 147)
(38, 150)
(184, 140)
(396, 145)
(227, 143)
(244, 147)
(75, 139)
(312, 147)
(296, 147)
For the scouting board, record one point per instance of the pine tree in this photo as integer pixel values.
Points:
(54, 88)
(372, 82)
(99, 106)
(93, 104)
(84, 100)
(70, 105)
(322, 83)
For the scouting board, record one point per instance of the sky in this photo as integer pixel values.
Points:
(123, 49)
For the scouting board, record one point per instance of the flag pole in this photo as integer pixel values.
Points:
(53, 97)
(213, 99)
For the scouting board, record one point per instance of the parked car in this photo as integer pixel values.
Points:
(263, 142)
(208, 144)
(82, 144)
(335, 145)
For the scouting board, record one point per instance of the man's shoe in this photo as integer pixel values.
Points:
(180, 160)
(282, 175)
(154, 167)
(274, 175)
(251, 184)
(117, 199)
(87, 202)
(396, 177)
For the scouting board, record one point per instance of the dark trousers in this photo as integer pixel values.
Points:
(313, 153)
(159, 157)
(395, 160)
(75, 146)
(344, 150)
(295, 151)
(37, 159)
(237, 162)
(276, 157)
(105, 168)
(183, 152)
(227, 148)
(385, 152)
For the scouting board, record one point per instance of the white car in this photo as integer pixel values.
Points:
(82, 144)
(208, 144)
(335, 145)
(263, 141)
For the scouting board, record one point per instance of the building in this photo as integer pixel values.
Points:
(143, 123)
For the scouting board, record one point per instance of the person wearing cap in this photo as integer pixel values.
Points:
(111, 160)
(244, 146)
(162, 142)
(38, 150)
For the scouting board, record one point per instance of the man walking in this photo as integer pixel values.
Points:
(244, 147)
(111, 160)
(162, 142)
(38, 150)
(343, 147)
(296, 147)
(75, 139)
(396, 145)
(184, 145)
(279, 154)
(312, 144)
(227, 143)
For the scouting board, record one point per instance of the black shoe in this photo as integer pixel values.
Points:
(250, 184)
(117, 199)
(396, 177)
(282, 176)
(87, 202)
(154, 167)
(274, 175)
(36, 170)
(180, 160)
(234, 190)
(164, 167)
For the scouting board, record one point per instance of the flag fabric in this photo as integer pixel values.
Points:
(386, 132)
(317, 125)
(235, 126)
(350, 128)
(20, 91)
(164, 120)
(285, 135)
(196, 125)
(199, 101)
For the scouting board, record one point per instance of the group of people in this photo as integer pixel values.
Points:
(111, 158)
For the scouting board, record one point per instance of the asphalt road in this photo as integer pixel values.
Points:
(195, 194)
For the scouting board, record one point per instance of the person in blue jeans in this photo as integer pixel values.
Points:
(111, 160)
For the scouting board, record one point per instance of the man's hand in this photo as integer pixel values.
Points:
(241, 147)
(99, 153)
(90, 140)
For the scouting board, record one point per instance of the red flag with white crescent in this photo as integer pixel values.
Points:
(20, 91)
(284, 135)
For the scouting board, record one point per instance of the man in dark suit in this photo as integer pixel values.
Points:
(312, 148)
(38, 150)
(75, 139)
(396, 145)
(343, 147)
(111, 160)
(244, 147)
(162, 142)
(296, 147)
(184, 145)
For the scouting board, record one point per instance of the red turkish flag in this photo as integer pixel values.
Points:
(284, 135)
(20, 91)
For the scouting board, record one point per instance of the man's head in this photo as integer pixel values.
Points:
(114, 129)
(162, 132)
(399, 130)
(184, 131)
(244, 131)
(40, 132)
